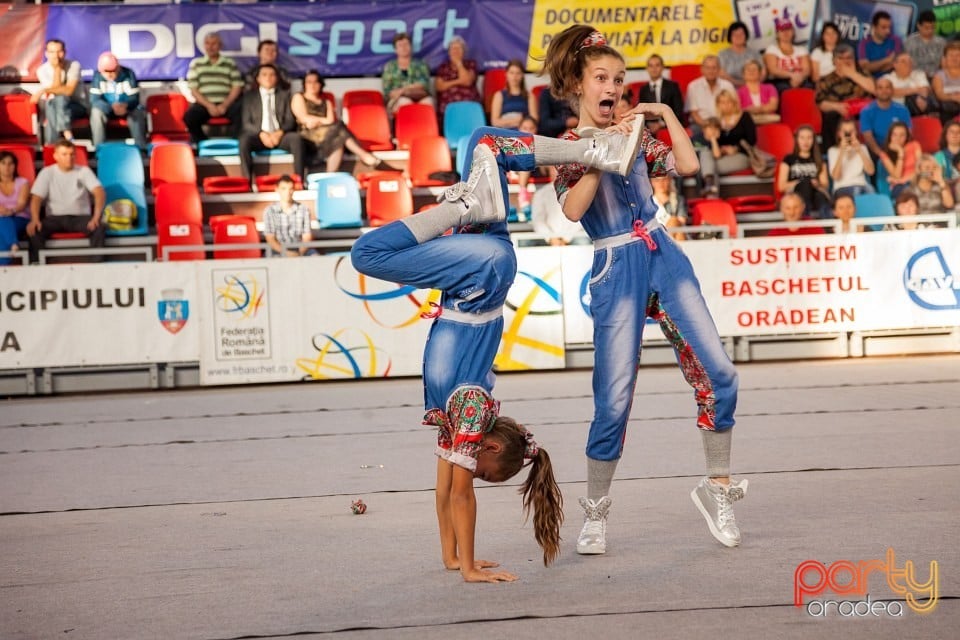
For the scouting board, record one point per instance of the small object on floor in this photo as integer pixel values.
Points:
(358, 507)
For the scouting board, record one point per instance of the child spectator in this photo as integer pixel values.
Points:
(286, 223)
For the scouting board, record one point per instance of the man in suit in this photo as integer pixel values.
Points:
(267, 121)
(661, 90)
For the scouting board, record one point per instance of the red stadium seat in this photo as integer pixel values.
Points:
(179, 234)
(429, 155)
(493, 81)
(756, 203)
(370, 125)
(18, 119)
(166, 112)
(235, 230)
(926, 130)
(269, 182)
(25, 159)
(775, 138)
(178, 202)
(413, 121)
(362, 96)
(634, 89)
(388, 198)
(683, 75)
(715, 212)
(172, 162)
(225, 184)
(798, 107)
(81, 156)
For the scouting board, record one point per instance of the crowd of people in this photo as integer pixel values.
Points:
(866, 94)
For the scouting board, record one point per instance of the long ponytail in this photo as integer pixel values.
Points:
(541, 492)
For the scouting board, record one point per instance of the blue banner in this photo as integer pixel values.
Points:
(345, 39)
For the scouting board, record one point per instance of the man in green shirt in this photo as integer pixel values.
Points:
(216, 85)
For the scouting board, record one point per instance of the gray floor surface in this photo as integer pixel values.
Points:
(225, 513)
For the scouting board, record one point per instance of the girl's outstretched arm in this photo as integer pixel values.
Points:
(448, 537)
(463, 510)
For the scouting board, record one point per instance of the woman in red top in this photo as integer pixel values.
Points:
(457, 77)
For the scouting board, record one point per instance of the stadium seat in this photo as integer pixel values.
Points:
(362, 96)
(213, 185)
(25, 159)
(172, 162)
(537, 90)
(213, 147)
(81, 155)
(235, 230)
(135, 193)
(429, 155)
(874, 205)
(269, 182)
(926, 130)
(370, 125)
(634, 89)
(165, 111)
(388, 198)
(338, 200)
(463, 163)
(756, 203)
(799, 107)
(18, 119)
(179, 234)
(683, 75)
(776, 139)
(493, 81)
(178, 202)
(119, 163)
(413, 121)
(461, 120)
(715, 212)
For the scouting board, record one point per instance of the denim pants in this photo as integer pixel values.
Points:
(60, 112)
(136, 122)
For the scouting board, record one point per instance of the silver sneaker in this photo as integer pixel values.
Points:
(481, 193)
(715, 502)
(615, 152)
(593, 535)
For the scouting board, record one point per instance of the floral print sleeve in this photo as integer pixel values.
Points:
(659, 156)
(568, 174)
(470, 414)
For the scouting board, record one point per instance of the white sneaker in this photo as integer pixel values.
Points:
(593, 535)
(481, 193)
(615, 152)
(715, 502)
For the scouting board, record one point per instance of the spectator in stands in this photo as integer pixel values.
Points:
(724, 153)
(933, 192)
(114, 94)
(548, 219)
(821, 58)
(759, 99)
(61, 93)
(673, 212)
(845, 210)
(406, 80)
(842, 93)
(267, 53)
(556, 116)
(216, 85)
(513, 103)
(804, 173)
(946, 83)
(900, 155)
(788, 64)
(850, 163)
(878, 116)
(911, 87)
(878, 48)
(660, 90)
(268, 122)
(737, 54)
(456, 77)
(286, 222)
(906, 205)
(949, 155)
(792, 210)
(524, 202)
(64, 189)
(14, 196)
(702, 93)
(325, 136)
(925, 46)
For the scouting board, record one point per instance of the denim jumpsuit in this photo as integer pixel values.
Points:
(639, 271)
(474, 269)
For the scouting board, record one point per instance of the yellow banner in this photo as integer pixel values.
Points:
(681, 31)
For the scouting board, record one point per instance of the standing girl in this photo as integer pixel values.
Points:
(638, 271)
(474, 270)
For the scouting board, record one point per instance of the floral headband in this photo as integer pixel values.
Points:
(595, 39)
(532, 448)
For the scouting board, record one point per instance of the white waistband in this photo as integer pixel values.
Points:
(624, 238)
(471, 318)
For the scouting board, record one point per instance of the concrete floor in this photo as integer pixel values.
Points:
(225, 513)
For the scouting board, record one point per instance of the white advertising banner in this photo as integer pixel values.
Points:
(97, 314)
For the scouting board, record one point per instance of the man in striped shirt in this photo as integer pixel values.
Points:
(216, 84)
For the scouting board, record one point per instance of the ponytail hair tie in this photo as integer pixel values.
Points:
(595, 39)
(532, 448)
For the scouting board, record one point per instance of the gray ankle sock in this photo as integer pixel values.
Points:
(599, 476)
(551, 151)
(716, 449)
(431, 223)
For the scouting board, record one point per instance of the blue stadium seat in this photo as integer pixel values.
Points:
(119, 163)
(460, 119)
(338, 200)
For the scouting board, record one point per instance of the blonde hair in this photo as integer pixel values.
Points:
(732, 97)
